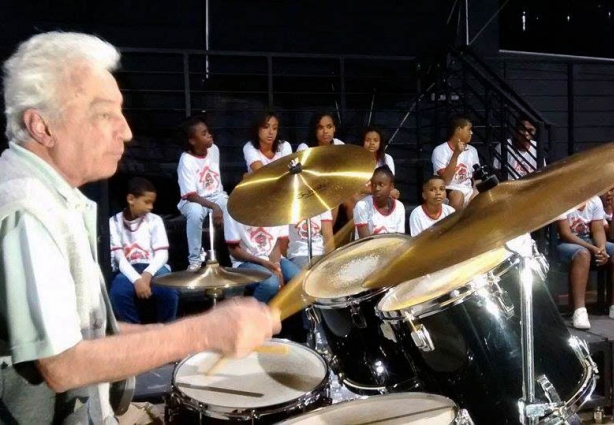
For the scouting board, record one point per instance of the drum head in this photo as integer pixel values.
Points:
(434, 285)
(342, 272)
(393, 409)
(281, 375)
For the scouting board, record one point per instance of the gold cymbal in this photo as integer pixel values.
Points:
(301, 185)
(213, 276)
(504, 212)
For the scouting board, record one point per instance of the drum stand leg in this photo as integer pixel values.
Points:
(528, 368)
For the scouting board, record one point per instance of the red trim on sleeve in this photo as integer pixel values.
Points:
(326, 221)
(116, 248)
(188, 194)
(233, 243)
(361, 224)
(282, 237)
(162, 248)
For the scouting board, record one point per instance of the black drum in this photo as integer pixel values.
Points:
(363, 350)
(461, 326)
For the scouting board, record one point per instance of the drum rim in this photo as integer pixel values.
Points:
(376, 398)
(224, 412)
(451, 298)
(339, 251)
(348, 300)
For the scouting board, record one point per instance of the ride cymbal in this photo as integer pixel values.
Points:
(301, 185)
(213, 276)
(504, 212)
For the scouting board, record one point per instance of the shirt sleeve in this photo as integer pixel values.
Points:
(401, 224)
(284, 231)
(250, 153)
(301, 147)
(415, 227)
(117, 251)
(440, 162)
(286, 149)
(389, 162)
(597, 213)
(159, 244)
(326, 216)
(231, 232)
(361, 214)
(38, 299)
(495, 162)
(186, 177)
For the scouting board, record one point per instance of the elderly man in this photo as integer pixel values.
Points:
(66, 128)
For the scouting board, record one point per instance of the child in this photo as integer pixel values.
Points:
(433, 209)
(453, 161)
(321, 239)
(582, 240)
(321, 132)
(264, 146)
(379, 212)
(200, 184)
(258, 248)
(521, 151)
(139, 250)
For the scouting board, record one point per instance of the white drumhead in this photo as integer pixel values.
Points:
(261, 379)
(342, 273)
(392, 409)
(434, 285)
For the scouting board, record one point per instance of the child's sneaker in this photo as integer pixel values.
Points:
(580, 319)
(194, 267)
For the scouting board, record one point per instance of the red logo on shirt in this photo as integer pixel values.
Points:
(261, 238)
(578, 227)
(462, 173)
(301, 229)
(209, 178)
(380, 229)
(134, 252)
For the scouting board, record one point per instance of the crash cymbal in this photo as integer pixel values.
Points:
(494, 217)
(301, 185)
(213, 276)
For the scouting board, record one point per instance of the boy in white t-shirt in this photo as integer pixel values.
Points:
(582, 240)
(139, 251)
(433, 209)
(379, 212)
(259, 248)
(521, 151)
(454, 160)
(321, 239)
(200, 185)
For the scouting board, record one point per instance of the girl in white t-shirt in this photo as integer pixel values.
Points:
(264, 146)
(433, 209)
(321, 131)
(453, 161)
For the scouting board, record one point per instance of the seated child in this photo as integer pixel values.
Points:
(582, 240)
(200, 184)
(139, 250)
(433, 209)
(379, 212)
(321, 239)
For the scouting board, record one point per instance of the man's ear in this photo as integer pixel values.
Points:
(130, 199)
(38, 128)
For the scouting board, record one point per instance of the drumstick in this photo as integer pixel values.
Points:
(290, 299)
(263, 349)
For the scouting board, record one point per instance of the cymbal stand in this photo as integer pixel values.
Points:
(216, 294)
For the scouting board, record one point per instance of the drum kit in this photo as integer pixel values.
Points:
(454, 326)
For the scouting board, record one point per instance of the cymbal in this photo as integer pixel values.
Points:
(301, 185)
(502, 213)
(213, 276)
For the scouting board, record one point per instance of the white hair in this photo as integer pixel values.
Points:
(35, 73)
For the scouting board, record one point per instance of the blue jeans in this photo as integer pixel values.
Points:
(265, 290)
(567, 251)
(125, 302)
(195, 215)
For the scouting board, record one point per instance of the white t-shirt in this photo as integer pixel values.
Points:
(258, 241)
(387, 161)
(522, 162)
(304, 146)
(298, 234)
(419, 220)
(442, 155)
(199, 175)
(367, 214)
(251, 154)
(579, 219)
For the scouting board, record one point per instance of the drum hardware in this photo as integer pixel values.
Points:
(502, 298)
(358, 318)
(419, 334)
(549, 390)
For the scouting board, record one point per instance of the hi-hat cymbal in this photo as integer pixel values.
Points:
(494, 217)
(213, 276)
(301, 185)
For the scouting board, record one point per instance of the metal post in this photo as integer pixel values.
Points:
(211, 236)
(466, 22)
(309, 244)
(526, 311)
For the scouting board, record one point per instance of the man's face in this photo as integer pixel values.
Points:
(90, 134)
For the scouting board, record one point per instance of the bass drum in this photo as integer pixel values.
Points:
(462, 328)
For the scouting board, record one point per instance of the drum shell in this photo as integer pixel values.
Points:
(477, 356)
(364, 351)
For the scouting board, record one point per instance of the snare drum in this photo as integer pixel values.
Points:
(264, 387)
(391, 409)
(363, 350)
(462, 327)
